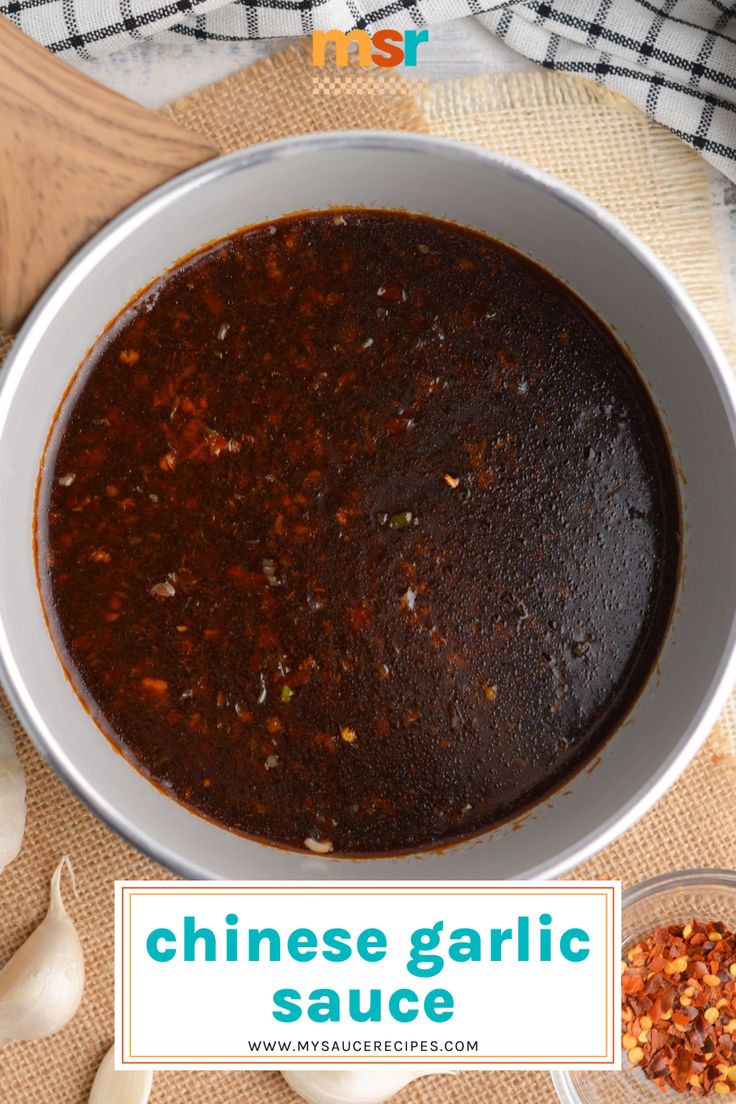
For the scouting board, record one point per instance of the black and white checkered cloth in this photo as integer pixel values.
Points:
(675, 59)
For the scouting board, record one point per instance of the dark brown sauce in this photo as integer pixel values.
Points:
(359, 528)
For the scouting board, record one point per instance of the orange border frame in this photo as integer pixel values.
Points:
(487, 1061)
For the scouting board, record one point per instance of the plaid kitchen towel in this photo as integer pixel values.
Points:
(675, 59)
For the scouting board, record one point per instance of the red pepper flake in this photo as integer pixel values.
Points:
(679, 1008)
(248, 580)
(359, 617)
(156, 687)
(394, 293)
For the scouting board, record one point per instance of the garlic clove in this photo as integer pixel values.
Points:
(12, 795)
(41, 986)
(348, 1087)
(113, 1086)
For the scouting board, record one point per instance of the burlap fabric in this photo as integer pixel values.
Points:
(608, 149)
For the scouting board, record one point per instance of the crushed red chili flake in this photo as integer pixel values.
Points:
(678, 1008)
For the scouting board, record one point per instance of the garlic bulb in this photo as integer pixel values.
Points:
(113, 1086)
(12, 795)
(370, 1086)
(41, 986)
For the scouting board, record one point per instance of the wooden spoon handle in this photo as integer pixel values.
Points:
(72, 155)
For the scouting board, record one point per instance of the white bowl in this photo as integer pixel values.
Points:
(570, 236)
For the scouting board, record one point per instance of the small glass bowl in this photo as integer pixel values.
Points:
(667, 899)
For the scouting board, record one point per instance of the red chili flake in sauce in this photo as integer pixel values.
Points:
(679, 1008)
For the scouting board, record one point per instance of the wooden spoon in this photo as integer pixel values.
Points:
(72, 155)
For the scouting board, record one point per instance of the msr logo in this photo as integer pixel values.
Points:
(386, 48)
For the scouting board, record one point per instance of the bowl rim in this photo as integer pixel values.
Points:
(678, 879)
(106, 240)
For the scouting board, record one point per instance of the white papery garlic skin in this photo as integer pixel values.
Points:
(113, 1086)
(347, 1087)
(41, 986)
(12, 795)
